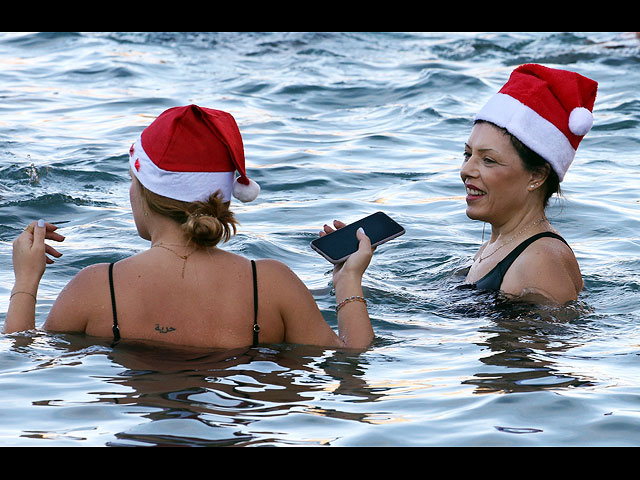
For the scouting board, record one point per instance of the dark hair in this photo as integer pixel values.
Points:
(532, 162)
(203, 223)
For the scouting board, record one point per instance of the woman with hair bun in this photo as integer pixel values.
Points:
(184, 289)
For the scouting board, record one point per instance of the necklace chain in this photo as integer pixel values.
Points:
(183, 257)
(481, 258)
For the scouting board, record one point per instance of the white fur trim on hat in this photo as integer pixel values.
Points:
(530, 128)
(183, 186)
(580, 121)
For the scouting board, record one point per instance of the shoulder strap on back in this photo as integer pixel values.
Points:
(116, 330)
(256, 327)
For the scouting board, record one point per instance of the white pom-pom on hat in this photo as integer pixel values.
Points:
(580, 121)
(245, 193)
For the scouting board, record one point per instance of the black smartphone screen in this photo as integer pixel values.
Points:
(338, 245)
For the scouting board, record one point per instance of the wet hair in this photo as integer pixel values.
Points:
(204, 223)
(532, 162)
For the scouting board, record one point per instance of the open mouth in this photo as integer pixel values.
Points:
(474, 192)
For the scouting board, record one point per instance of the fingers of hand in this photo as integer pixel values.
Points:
(47, 231)
(39, 233)
(339, 224)
(362, 236)
(49, 250)
(359, 261)
(326, 229)
(34, 236)
(52, 234)
(364, 244)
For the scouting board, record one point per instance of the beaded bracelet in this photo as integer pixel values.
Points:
(355, 298)
(28, 293)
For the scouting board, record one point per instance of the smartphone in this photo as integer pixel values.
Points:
(339, 244)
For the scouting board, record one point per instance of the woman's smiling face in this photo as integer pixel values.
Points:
(494, 175)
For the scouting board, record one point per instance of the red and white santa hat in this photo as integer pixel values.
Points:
(549, 110)
(190, 152)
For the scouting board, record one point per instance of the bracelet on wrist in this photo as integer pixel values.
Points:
(26, 293)
(354, 298)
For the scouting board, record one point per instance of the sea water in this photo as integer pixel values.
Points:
(335, 125)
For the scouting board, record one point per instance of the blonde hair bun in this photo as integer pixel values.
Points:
(206, 229)
(203, 223)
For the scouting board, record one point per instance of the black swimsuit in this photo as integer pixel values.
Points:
(256, 327)
(493, 279)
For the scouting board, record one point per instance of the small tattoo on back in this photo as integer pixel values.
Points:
(164, 329)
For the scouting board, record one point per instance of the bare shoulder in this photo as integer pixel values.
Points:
(553, 252)
(88, 279)
(77, 301)
(290, 297)
(275, 269)
(279, 279)
(547, 268)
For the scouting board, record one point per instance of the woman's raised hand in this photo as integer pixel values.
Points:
(31, 253)
(355, 266)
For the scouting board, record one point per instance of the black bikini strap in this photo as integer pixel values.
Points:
(256, 327)
(520, 248)
(515, 253)
(116, 330)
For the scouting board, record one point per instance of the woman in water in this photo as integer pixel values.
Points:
(521, 145)
(184, 290)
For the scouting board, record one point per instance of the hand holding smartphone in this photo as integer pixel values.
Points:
(339, 244)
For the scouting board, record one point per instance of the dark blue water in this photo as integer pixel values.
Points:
(335, 125)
